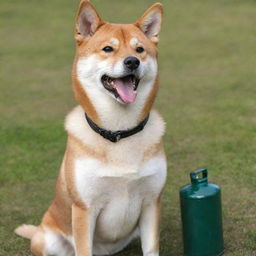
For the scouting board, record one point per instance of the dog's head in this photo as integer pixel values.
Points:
(113, 59)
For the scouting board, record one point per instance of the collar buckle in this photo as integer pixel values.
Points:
(117, 135)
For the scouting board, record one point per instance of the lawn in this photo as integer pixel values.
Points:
(207, 97)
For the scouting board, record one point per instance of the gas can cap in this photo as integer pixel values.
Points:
(199, 176)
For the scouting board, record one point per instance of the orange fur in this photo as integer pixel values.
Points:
(81, 230)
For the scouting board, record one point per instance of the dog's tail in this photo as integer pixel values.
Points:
(26, 231)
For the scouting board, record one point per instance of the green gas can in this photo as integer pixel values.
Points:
(201, 216)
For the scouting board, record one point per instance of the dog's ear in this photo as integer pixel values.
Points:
(87, 21)
(150, 22)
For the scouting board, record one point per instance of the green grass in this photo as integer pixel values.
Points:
(207, 97)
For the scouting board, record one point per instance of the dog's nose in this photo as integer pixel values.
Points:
(132, 63)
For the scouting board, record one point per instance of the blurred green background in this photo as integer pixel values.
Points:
(207, 97)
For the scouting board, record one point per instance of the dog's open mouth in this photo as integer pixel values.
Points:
(122, 87)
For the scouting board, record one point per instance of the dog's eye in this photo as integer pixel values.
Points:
(139, 49)
(108, 49)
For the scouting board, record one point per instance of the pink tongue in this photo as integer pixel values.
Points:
(125, 90)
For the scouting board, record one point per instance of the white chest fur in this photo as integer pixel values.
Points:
(117, 191)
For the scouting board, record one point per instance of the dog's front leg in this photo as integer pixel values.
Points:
(149, 228)
(83, 224)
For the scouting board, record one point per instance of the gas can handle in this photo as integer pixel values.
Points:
(199, 176)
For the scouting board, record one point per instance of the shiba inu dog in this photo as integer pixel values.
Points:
(114, 168)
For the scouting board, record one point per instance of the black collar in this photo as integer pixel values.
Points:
(116, 135)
